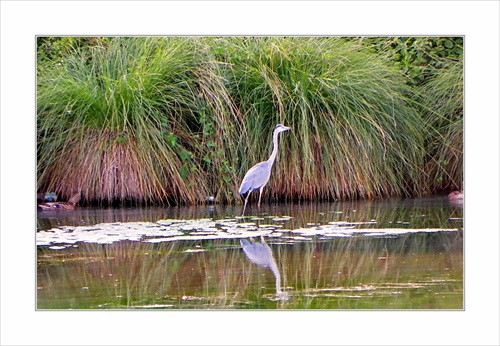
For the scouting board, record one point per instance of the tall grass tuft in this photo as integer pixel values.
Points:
(115, 122)
(442, 98)
(354, 135)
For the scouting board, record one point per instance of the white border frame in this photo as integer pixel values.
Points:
(21, 21)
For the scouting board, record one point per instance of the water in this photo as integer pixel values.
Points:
(388, 254)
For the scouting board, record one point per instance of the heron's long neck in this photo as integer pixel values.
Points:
(275, 148)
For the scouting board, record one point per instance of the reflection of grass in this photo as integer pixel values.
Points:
(382, 211)
(381, 272)
(386, 213)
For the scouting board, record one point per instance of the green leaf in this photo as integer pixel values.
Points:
(184, 172)
(185, 154)
(171, 139)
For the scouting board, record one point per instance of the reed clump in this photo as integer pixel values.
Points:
(442, 98)
(177, 119)
(354, 133)
(119, 120)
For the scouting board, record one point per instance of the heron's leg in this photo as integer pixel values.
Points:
(260, 196)
(246, 200)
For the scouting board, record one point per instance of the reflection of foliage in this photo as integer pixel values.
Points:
(387, 213)
(353, 272)
(365, 273)
(410, 213)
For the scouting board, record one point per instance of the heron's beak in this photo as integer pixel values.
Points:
(287, 128)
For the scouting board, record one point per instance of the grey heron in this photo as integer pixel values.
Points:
(258, 176)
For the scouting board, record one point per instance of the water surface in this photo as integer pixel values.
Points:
(387, 254)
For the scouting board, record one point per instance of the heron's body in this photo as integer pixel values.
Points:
(258, 176)
(253, 180)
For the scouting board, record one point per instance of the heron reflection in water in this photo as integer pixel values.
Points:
(261, 254)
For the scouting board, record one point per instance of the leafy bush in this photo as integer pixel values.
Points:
(419, 58)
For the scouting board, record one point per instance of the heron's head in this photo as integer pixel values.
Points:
(281, 128)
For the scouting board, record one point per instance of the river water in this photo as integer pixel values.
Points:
(385, 254)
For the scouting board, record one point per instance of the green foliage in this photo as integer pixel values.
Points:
(419, 58)
(176, 119)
